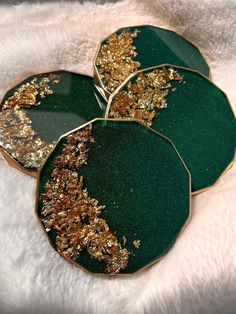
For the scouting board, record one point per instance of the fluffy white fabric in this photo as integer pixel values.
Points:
(199, 274)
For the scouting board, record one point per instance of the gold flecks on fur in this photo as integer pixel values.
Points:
(142, 99)
(16, 134)
(74, 216)
(115, 59)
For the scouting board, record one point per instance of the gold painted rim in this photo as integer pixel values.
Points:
(9, 159)
(97, 79)
(228, 166)
(180, 232)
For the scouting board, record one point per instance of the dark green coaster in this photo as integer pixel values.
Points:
(40, 109)
(139, 47)
(187, 108)
(134, 172)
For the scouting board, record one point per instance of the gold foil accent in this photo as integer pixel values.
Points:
(16, 134)
(20, 140)
(137, 243)
(68, 210)
(115, 59)
(26, 95)
(142, 98)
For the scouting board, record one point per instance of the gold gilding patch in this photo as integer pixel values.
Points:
(137, 243)
(25, 95)
(142, 99)
(115, 59)
(69, 211)
(16, 134)
(20, 140)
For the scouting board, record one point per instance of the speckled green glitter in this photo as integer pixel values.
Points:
(146, 206)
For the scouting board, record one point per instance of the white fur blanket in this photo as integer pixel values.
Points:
(199, 274)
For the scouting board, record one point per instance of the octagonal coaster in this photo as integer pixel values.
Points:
(113, 196)
(139, 47)
(187, 108)
(36, 112)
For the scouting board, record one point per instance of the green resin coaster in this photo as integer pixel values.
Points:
(187, 108)
(139, 47)
(113, 196)
(35, 113)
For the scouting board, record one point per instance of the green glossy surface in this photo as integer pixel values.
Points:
(72, 104)
(140, 178)
(201, 124)
(156, 46)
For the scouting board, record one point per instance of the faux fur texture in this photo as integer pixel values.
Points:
(199, 274)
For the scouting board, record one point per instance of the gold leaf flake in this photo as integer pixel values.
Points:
(25, 96)
(142, 98)
(73, 214)
(137, 243)
(115, 59)
(16, 133)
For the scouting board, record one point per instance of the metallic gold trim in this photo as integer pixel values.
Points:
(183, 68)
(180, 232)
(227, 168)
(97, 79)
(10, 160)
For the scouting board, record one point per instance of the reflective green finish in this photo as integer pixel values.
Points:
(139, 177)
(72, 104)
(156, 46)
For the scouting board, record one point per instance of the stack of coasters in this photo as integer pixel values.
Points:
(169, 91)
(114, 193)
